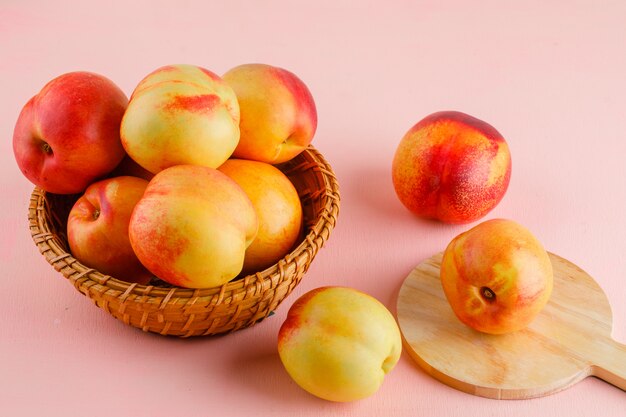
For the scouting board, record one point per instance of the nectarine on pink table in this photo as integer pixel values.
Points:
(452, 167)
(338, 343)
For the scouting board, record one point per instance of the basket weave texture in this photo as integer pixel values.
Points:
(186, 312)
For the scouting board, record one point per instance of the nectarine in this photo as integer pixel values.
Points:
(338, 343)
(181, 115)
(68, 135)
(278, 208)
(278, 114)
(97, 228)
(452, 167)
(496, 276)
(192, 226)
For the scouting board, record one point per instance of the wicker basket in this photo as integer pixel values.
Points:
(196, 312)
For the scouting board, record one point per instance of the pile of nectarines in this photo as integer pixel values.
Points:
(176, 183)
(179, 183)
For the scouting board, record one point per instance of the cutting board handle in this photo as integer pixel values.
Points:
(610, 363)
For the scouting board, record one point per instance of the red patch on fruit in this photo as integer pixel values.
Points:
(293, 321)
(166, 68)
(196, 104)
(160, 248)
(210, 74)
(301, 94)
(465, 120)
(471, 197)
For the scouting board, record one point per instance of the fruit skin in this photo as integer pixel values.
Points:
(67, 135)
(338, 343)
(496, 276)
(278, 114)
(179, 115)
(452, 167)
(97, 228)
(278, 209)
(192, 226)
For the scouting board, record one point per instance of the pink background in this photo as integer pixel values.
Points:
(550, 76)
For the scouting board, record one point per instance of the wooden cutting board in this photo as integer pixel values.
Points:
(568, 341)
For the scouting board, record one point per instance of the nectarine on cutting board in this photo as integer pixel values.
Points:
(569, 340)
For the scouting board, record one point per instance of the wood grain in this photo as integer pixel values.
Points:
(568, 341)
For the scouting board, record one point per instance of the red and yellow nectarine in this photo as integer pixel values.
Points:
(338, 343)
(68, 135)
(278, 114)
(97, 228)
(181, 115)
(278, 209)
(496, 276)
(192, 226)
(452, 167)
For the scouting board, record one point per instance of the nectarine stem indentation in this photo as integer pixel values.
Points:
(488, 294)
(45, 147)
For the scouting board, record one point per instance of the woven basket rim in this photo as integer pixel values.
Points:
(326, 220)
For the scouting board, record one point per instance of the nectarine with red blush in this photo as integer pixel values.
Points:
(496, 276)
(452, 167)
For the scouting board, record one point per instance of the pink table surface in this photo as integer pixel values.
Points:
(550, 76)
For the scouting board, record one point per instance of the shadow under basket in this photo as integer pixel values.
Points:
(187, 312)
